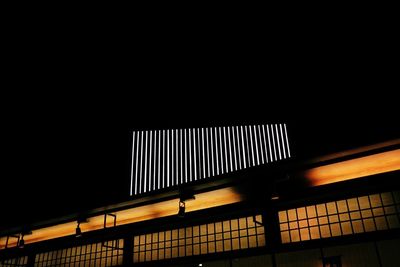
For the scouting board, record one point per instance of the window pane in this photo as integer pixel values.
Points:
(387, 198)
(292, 215)
(333, 218)
(311, 212)
(305, 234)
(250, 222)
(282, 216)
(366, 213)
(301, 213)
(314, 231)
(321, 209)
(342, 206)
(375, 200)
(364, 202)
(331, 207)
(393, 221)
(242, 223)
(303, 223)
(335, 229)
(325, 231)
(346, 228)
(295, 235)
(369, 225)
(357, 226)
(353, 204)
(355, 215)
(285, 237)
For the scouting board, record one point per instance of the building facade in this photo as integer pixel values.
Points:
(240, 201)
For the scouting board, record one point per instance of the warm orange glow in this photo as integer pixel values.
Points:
(157, 210)
(355, 168)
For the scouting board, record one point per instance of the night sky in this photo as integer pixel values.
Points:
(68, 112)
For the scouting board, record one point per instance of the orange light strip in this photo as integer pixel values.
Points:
(354, 168)
(205, 200)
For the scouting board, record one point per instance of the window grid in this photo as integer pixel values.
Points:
(356, 215)
(20, 261)
(87, 255)
(215, 237)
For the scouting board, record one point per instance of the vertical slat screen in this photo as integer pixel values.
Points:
(167, 158)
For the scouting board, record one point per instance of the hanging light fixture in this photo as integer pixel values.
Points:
(78, 231)
(181, 212)
(21, 242)
(185, 195)
(274, 196)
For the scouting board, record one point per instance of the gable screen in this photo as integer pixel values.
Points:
(166, 158)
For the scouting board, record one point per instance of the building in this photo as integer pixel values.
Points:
(231, 196)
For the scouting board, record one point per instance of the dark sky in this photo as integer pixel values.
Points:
(68, 110)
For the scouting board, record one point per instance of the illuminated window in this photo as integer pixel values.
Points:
(21, 261)
(234, 234)
(107, 254)
(343, 217)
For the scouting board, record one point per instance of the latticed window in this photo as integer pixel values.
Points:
(20, 261)
(343, 217)
(221, 236)
(108, 253)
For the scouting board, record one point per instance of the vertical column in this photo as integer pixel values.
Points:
(172, 158)
(181, 153)
(277, 140)
(265, 144)
(163, 160)
(127, 258)
(287, 140)
(155, 160)
(238, 146)
(282, 141)
(31, 260)
(216, 150)
(226, 151)
(150, 160)
(247, 145)
(195, 154)
(234, 147)
(253, 162)
(185, 158)
(141, 164)
(221, 151)
(190, 154)
(273, 142)
(177, 159)
(159, 160)
(137, 164)
(208, 154)
(261, 145)
(204, 160)
(230, 149)
(271, 225)
(168, 162)
(145, 164)
(132, 163)
(269, 145)
(243, 149)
